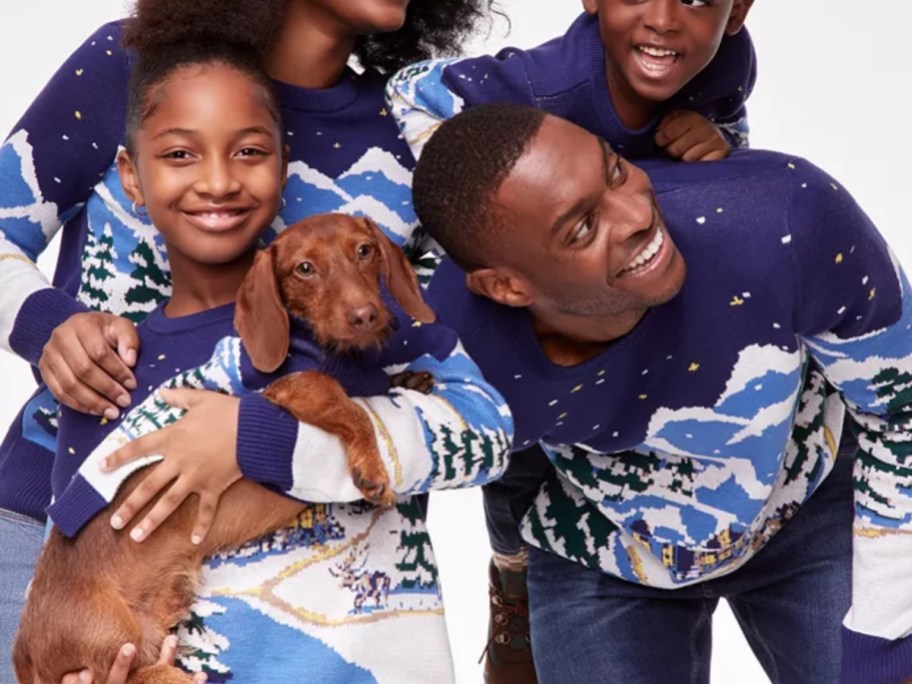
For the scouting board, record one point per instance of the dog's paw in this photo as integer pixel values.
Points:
(377, 493)
(419, 381)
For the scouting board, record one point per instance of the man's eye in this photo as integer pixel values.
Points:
(583, 229)
(618, 173)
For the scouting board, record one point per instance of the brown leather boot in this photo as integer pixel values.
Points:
(508, 655)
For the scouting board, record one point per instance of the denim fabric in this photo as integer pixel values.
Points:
(507, 499)
(21, 538)
(790, 600)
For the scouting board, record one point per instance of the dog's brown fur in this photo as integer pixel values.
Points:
(94, 593)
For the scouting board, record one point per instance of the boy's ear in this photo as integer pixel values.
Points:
(129, 178)
(738, 15)
(591, 6)
(501, 285)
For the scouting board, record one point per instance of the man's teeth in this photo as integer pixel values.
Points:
(656, 52)
(647, 252)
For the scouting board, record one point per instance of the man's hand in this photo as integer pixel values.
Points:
(689, 136)
(199, 458)
(86, 363)
(120, 669)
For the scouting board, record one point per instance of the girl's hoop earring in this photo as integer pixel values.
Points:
(138, 210)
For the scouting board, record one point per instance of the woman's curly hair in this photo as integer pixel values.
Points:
(433, 28)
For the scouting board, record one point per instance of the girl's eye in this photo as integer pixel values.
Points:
(365, 251)
(252, 152)
(305, 269)
(694, 3)
(179, 155)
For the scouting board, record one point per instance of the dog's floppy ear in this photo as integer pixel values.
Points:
(400, 278)
(260, 316)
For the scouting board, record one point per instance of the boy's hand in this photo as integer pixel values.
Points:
(120, 668)
(199, 457)
(86, 363)
(689, 136)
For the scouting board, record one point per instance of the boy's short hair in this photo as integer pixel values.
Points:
(460, 171)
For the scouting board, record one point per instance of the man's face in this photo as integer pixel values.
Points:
(583, 229)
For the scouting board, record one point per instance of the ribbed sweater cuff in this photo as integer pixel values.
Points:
(41, 312)
(266, 442)
(872, 660)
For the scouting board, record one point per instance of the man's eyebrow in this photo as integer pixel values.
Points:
(606, 153)
(580, 205)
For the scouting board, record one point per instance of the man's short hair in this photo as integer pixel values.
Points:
(460, 171)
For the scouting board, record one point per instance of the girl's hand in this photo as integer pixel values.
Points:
(199, 457)
(689, 136)
(120, 669)
(86, 363)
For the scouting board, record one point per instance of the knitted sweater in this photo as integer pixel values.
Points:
(681, 449)
(566, 77)
(57, 172)
(313, 601)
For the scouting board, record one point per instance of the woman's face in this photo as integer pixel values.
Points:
(359, 17)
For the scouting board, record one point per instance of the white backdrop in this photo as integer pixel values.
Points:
(833, 84)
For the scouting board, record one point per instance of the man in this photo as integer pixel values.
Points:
(692, 421)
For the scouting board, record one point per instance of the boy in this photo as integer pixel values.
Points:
(691, 422)
(655, 77)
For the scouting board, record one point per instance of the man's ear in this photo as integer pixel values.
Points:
(590, 6)
(738, 15)
(501, 285)
(129, 178)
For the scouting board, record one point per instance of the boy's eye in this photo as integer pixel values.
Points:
(179, 155)
(694, 3)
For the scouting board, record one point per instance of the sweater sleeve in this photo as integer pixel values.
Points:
(855, 314)
(48, 167)
(457, 436)
(425, 94)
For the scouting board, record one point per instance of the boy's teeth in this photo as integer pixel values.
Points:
(657, 52)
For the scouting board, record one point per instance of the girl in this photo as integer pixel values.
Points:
(59, 165)
(204, 159)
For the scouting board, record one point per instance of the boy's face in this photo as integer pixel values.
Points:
(653, 48)
(208, 164)
(583, 228)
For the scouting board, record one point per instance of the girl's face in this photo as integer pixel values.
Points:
(208, 164)
(360, 17)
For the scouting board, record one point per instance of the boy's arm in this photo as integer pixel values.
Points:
(424, 95)
(855, 314)
(458, 435)
(48, 167)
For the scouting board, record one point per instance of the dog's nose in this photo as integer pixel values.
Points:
(362, 316)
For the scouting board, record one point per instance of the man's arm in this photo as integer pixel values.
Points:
(855, 314)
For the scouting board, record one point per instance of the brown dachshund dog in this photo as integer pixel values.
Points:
(100, 590)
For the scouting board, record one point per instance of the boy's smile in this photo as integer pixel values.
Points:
(653, 48)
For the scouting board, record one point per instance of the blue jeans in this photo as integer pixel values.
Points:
(789, 599)
(21, 539)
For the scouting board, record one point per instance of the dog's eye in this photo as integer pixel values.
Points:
(364, 251)
(305, 269)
